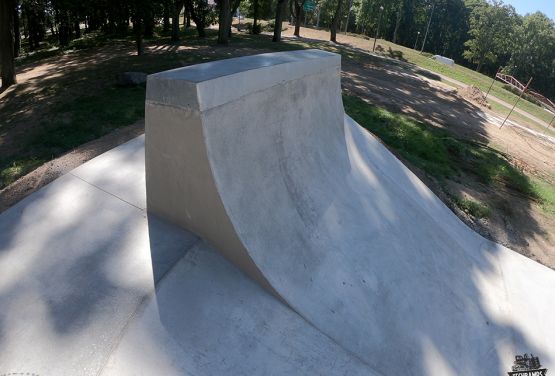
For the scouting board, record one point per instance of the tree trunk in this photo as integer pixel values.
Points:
(479, 66)
(77, 28)
(397, 24)
(17, 32)
(187, 15)
(7, 43)
(197, 18)
(30, 27)
(176, 9)
(335, 22)
(63, 33)
(148, 22)
(255, 27)
(223, 22)
(138, 30)
(280, 4)
(166, 16)
(297, 15)
(232, 11)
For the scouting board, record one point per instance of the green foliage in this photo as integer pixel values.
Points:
(533, 54)
(436, 152)
(87, 118)
(492, 29)
(475, 208)
(546, 192)
(442, 156)
(414, 141)
(18, 168)
(266, 8)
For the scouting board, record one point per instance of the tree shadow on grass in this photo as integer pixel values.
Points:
(456, 166)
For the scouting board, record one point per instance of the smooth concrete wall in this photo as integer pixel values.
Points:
(179, 180)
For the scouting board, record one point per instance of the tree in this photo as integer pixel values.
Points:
(202, 14)
(335, 21)
(297, 13)
(533, 54)
(224, 21)
(16, 29)
(34, 14)
(491, 31)
(397, 23)
(138, 18)
(255, 25)
(7, 43)
(176, 6)
(168, 6)
(280, 8)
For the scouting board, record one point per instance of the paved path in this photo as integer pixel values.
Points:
(457, 83)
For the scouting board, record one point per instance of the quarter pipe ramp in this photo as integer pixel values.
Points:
(256, 156)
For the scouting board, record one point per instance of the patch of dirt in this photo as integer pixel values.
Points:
(474, 95)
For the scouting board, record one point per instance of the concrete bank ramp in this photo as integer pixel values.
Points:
(256, 156)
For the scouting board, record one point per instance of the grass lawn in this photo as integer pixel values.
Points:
(83, 103)
(442, 156)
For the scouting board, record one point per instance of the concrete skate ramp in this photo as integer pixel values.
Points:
(91, 285)
(256, 155)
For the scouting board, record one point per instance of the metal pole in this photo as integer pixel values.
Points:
(428, 27)
(492, 82)
(549, 125)
(348, 15)
(378, 28)
(521, 94)
(416, 42)
(318, 18)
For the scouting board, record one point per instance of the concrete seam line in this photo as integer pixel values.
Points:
(141, 306)
(105, 191)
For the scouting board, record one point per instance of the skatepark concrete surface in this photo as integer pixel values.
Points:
(280, 238)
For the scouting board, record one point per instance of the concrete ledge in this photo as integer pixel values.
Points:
(203, 86)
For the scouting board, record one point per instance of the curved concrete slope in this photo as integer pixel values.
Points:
(256, 156)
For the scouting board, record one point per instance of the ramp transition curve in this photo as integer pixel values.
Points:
(257, 156)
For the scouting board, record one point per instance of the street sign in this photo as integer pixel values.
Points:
(309, 6)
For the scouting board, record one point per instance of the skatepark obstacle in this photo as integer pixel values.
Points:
(373, 274)
(256, 156)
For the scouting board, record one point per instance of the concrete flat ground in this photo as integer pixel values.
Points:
(92, 285)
